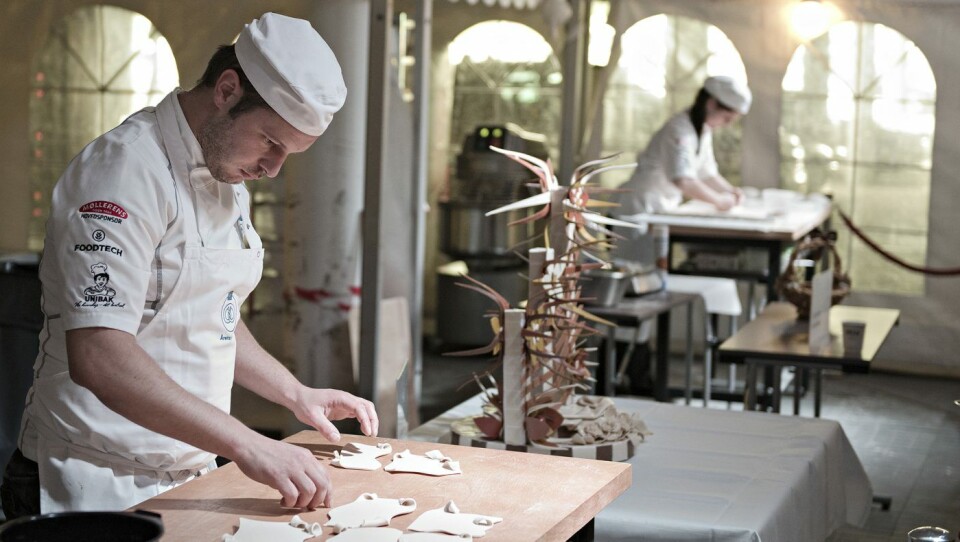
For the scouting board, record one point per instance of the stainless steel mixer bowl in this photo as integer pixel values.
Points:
(466, 233)
(603, 287)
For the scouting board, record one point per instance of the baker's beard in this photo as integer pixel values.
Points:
(216, 140)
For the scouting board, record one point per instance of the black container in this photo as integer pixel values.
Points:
(20, 323)
(139, 526)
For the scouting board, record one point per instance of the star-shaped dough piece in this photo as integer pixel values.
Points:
(433, 463)
(357, 456)
(368, 511)
(449, 519)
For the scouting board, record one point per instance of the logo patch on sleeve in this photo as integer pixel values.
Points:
(103, 210)
(100, 294)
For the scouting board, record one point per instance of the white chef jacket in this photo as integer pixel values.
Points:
(672, 153)
(112, 213)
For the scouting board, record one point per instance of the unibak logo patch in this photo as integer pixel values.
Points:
(103, 210)
(100, 294)
(229, 314)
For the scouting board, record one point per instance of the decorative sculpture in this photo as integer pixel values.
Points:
(542, 346)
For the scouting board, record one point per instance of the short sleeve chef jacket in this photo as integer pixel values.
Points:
(110, 253)
(673, 152)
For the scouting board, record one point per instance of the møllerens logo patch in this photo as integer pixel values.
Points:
(103, 210)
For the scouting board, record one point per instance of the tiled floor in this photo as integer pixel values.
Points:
(905, 429)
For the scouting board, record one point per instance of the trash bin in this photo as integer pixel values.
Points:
(20, 323)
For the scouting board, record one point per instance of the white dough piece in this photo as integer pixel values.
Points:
(252, 530)
(433, 463)
(313, 528)
(357, 456)
(449, 519)
(434, 537)
(368, 534)
(368, 511)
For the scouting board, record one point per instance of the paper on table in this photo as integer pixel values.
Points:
(702, 208)
(821, 290)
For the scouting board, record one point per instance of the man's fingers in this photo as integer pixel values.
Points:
(326, 428)
(373, 418)
(308, 490)
(322, 492)
(288, 494)
(328, 498)
(366, 414)
(366, 425)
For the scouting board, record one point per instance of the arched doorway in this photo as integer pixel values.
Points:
(859, 104)
(99, 65)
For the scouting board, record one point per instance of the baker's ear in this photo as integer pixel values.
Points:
(228, 90)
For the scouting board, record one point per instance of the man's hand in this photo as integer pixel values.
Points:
(318, 407)
(302, 481)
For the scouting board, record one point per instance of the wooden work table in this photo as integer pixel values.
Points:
(539, 497)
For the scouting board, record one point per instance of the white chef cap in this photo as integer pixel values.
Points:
(293, 69)
(729, 92)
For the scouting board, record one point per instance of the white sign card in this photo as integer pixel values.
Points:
(821, 290)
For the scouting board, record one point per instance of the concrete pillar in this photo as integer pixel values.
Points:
(326, 209)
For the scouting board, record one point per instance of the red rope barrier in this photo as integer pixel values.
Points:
(873, 244)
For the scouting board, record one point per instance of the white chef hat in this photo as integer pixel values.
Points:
(729, 92)
(293, 69)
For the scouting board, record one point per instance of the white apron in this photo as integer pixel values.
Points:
(106, 462)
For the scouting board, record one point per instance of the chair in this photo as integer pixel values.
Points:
(720, 298)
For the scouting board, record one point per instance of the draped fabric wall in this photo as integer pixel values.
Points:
(761, 32)
(930, 327)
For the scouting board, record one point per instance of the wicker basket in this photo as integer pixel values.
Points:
(793, 288)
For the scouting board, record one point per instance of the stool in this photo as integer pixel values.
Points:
(720, 298)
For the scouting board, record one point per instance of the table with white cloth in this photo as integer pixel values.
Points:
(724, 476)
(755, 225)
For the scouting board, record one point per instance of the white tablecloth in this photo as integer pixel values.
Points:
(723, 476)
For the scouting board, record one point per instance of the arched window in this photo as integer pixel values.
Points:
(858, 121)
(664, 61)
(505, 72)
(99, 65)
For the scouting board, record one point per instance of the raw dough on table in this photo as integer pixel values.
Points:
(433, 463)
(357, 456)
(252, 530)
(434, 537)
(368, 534)
(449, 519)
(368, 511)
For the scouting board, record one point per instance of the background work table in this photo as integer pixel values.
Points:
(538, 497)
(725, 476)
(777, 338)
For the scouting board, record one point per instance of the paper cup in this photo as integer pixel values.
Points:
(853, 331)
